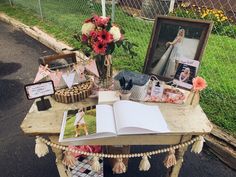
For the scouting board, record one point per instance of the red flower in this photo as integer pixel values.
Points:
(99, 47)
(101, 21)
(105, 36)
(84, 38)
(93, 34)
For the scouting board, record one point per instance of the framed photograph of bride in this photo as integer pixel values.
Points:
(176, 41)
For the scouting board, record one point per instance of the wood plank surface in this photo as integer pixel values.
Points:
(181, 120)
(221, 135)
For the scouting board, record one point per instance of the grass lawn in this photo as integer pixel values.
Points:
(218, 66)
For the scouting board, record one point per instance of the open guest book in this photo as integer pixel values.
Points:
(123, 118)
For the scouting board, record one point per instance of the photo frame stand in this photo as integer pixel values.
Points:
(43, 104)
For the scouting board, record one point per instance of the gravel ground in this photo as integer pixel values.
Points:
(18, 66)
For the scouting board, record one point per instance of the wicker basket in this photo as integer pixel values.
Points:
(74, 94)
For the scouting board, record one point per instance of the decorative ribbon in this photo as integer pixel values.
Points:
(108, 63)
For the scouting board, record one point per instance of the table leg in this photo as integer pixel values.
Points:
(174, 171)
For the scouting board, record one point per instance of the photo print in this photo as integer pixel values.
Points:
(185, 72)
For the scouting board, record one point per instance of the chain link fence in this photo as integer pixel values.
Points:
(136, 17)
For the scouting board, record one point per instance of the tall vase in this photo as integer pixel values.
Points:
(104, 66)
(193, 98)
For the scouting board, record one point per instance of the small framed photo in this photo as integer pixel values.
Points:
(185, 72)
(174, 39)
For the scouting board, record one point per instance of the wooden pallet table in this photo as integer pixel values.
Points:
(184, 121)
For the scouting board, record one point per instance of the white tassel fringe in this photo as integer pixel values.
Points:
(95, 164)
(198, 145)
(144, 164)
(170, 159)
(41, 149)
(119, 167)
(69, 160)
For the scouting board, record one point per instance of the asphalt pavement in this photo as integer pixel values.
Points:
(18, 66)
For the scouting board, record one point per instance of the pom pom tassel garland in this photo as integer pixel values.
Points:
(198, 145)
(41, 149)
(69, 160)
(170, 159)
(70, 154)
(119, 167)
(144, 164)
(95, 164)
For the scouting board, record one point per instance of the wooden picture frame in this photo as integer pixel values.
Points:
(55, 61)
(167, 30)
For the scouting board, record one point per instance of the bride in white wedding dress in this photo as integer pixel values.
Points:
(167, 64)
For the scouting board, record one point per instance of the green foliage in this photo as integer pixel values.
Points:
(222, 24)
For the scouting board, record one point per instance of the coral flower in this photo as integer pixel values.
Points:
(99, 47)
(105, 36)
(199, 84)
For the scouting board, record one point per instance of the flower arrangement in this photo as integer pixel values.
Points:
(100, 37)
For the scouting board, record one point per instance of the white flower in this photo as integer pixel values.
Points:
(115, 31)
(87, 27)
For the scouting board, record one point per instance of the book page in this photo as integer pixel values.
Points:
(105, 119)
(136, 118)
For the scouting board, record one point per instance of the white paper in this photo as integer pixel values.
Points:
(39, 90)
(105, 119)
(136, 118)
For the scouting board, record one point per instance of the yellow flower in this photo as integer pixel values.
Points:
(204, 15)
